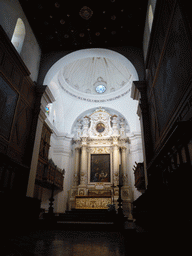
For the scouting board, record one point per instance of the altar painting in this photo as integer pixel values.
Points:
(100, 168)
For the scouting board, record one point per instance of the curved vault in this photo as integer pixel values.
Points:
(110, 67)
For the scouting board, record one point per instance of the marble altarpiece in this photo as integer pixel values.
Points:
(100, 149)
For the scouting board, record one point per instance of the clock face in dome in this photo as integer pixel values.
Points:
(100, 127)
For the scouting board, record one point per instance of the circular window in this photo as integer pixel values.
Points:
(100, 127)
(100, 88)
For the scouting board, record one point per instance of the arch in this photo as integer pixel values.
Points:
(18, 35)
(69, 106)
(94, 52)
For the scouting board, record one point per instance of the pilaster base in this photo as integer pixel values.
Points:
(82, 190)
(73, 193)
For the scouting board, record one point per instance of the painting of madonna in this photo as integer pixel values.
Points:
(100, 168)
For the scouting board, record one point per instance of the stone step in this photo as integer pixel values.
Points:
(86, 215)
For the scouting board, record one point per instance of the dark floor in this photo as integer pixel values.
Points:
(67, 243)
(90, 240)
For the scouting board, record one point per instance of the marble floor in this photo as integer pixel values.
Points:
(67, 243)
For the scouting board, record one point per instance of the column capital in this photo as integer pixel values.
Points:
(77, 148)
(123, 148)
(116, 147)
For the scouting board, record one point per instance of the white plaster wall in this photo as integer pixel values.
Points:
(10, 11)
(61, 154)
(68, 108)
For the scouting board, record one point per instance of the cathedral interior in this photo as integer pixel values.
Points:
(95, 124)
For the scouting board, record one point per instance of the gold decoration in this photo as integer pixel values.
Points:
(92, 203)
(100, 150)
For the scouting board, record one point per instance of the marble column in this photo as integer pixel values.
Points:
(123, 166)
(83, 167)
(76, 167)
(116, 164)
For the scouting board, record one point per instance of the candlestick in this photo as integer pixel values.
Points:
(120, 176)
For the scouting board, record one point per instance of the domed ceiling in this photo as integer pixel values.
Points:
(96, 75)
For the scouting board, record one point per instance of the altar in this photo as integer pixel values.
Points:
(92, 202)
(100, 148)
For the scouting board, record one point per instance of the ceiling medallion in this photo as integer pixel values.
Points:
(86, 13)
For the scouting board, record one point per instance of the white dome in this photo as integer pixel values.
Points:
(80, 73)
(87, 74)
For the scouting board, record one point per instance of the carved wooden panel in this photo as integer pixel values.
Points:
(8, 101)
(47, 172)
(45, 142)
(139, 177)
(21, 128)
(169, 65)
(17, 103)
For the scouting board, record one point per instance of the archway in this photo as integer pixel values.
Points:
(74, 102)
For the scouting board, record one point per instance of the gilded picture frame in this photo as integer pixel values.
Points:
(100, 168)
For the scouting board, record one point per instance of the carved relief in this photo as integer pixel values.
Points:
(100, 150)
(100, 124)
(92, 203)
(81, 192)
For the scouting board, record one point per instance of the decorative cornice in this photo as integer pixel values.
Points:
(85, 98)
(100, 150)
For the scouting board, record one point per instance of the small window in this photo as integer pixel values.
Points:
(150, 17)
(18, 35)
(100, 88)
